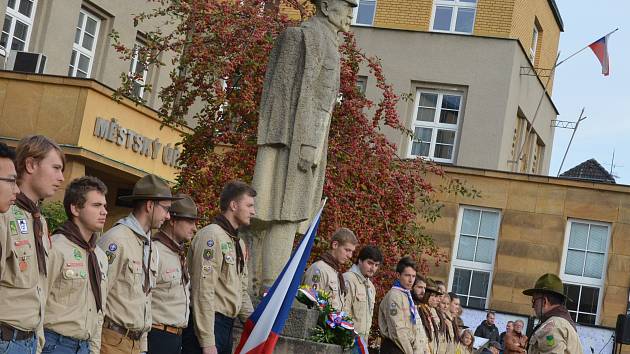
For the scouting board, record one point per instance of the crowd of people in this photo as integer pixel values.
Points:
(134, 289)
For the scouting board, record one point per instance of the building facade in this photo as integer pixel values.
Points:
(478, 74)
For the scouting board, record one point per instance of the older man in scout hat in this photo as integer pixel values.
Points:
(24, 245)
(556, 332)
(171, 296)
(77, 272)
(133, 267)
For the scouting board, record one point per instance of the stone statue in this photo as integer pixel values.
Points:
(300, 90)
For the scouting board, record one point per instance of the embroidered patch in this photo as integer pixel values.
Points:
(75, 264)
(23, 226)
(225, 248)
(112, 247)
(83, 274)
(21, 243)
(13, 228)
(229, 259)
(69, 273)
(550, 340)
(207, 268)
(18, 213)
(77, 254)
(548, 327)
(316, 276)
(393, 310)
(110, 256)
(210, 243)
(208, 254)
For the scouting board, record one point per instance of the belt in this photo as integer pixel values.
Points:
(133, 335)
(169, 329)
(7, 332)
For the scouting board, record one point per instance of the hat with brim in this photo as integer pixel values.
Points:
(184, 208)
(150, 187)
(432, 287)
(547, 284)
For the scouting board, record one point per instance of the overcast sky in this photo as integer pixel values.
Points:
(579, 83)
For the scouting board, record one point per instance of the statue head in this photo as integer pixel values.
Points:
(338, 12)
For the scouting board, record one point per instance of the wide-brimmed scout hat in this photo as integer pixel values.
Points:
(150, 187)
(431, 286)
(547, 283)
(184, 208)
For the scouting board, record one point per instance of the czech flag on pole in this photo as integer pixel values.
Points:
(265, 324)
(600, 48)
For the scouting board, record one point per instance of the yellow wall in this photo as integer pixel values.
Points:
(534, 211)
(403, 14)
(494, 18)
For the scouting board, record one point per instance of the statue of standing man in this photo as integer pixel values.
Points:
(300, 90)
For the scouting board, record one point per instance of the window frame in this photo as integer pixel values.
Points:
(17, 16)
(355, 13)
(133, 66)
(435, 125)
(456, 5)
(583, 280)
(472, 265)
(534, 43)
(91, 54)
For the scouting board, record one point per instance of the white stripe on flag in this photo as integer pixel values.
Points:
(265, 322)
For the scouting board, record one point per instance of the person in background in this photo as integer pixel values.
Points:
(24, 233)
(487, 328)
(465, 344)
(493, 348)
(454, 309)
(171, 297)
(419, 288)
(508, 328)
(428, 313)
(361, 295)
(515, 340)
(326, 273)
(8, 180)
(447, 331)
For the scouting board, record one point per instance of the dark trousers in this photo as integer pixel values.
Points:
(223, 326)
(161, 342)
(389, 347)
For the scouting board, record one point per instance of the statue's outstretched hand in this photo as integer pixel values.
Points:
(307, 158)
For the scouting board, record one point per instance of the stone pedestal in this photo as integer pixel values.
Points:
(297, 330)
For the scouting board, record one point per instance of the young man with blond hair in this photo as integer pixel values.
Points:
(327, 272)
(24, 235)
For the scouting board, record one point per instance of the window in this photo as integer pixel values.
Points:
(435, 123)
(457, 16)
(138, 72)
(362, 84)
(474, 254)
(532, 48)
(84, 46)
(364, 13)
(584, 268)
(18, 22)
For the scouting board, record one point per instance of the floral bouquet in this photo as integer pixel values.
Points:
(333, 327)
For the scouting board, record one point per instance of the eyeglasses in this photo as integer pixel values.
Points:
(12, 181)
(166, 208)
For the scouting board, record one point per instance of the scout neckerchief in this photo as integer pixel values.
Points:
(328, 258)
(427, 321)
(133, 224)
(225, 224)
(160, 236)
(29, 206)
(412, 307)
(73, 234)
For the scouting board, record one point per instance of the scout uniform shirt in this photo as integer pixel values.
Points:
(129, 253)
(216, 285)
(394, 321)
(556, 335)
(22, 288)
(359, 300)
(171, 297)
(321, 276)
(71, 309)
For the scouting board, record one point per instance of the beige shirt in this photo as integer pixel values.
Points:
(359, 302)
(71, 308)
(216, 285)
(556, 336)
(22, 288)
(127, 303)
(324, 277)
(394, 321)
(171, 298)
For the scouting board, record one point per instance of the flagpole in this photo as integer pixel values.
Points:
(581, 50)
(577, 124)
